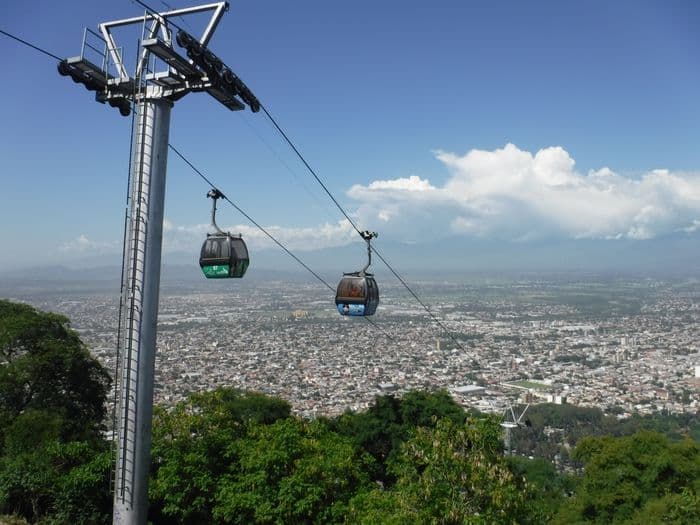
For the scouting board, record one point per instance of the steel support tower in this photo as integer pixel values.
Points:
(161, 77)
(140, 292)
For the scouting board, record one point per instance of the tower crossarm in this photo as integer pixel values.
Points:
(160, 23)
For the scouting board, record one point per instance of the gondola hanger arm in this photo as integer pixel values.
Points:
(368, 236)
(214, 195)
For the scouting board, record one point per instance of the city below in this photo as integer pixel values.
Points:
(625, 345)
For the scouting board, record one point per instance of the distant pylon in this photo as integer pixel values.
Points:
(510, 421)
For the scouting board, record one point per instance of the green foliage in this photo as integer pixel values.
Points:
(674, 426)
(291, 472)
(45, 366)
(576, 422)
(54, 466)
(389, 422)
(377, 430)
(448, 474)
(190, 449)
(678, 509)
(57, 483)
(30, 430)
(227, 407)
(82, 493)
(624, 475)
(547, 488)
(232, 457)
(13, 520)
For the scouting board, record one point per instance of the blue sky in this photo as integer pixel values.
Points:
(509, 121)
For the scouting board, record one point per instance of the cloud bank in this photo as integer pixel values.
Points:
(82, 244)
(183, 238)
(512, 194)
(506, 194)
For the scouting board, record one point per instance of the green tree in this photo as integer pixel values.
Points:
(232, 457)
(190, 449)
(54, 465)
(292, 471)
(449, 474)
(623, 475)
(388, 422)
(58, 483)
(45, 366)
(547, 488)
(675, 509)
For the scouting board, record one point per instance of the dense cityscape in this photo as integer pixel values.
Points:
(624, 345)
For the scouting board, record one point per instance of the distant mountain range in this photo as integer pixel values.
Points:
(673, 255)
(443, 258)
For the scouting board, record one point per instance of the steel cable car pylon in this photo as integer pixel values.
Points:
(358, 293)
(223, 254)
(161, 77)
(509, 424)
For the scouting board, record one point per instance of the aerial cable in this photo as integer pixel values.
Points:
(175, 150)
(126, 220)
(374, 249)
(277, 155)
(415, 296)
(262, 229)
(279, 129)
(30, 45)
(154, 12)
(166, 4)
(308, 167)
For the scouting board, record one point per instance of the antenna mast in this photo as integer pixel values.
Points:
(161, 77)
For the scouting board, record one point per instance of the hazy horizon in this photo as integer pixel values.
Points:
(671, 255)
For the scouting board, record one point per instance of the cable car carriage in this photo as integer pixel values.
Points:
(223, 254)
(358, 293)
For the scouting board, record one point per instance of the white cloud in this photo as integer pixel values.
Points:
(506, 193)
(514, 194)
(411, 188)
(693, 227)
(188, 238)
(82, 244)
(412, 183)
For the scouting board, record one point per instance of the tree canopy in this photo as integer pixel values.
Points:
(389, 421)
(232, 457)
(44, 366)
(54, 462)
(190, 450)
(450, 474)
(625, 477)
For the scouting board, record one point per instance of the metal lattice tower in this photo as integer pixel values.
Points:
(161, 77)
(511, 421)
